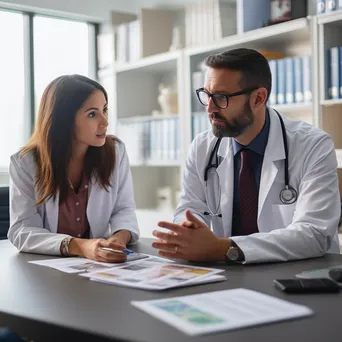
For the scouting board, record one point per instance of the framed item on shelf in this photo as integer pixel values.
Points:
(285, 10)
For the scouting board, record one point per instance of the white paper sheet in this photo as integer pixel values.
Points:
(210, 279)
(154, 276)
(221, 310)
(80, 265)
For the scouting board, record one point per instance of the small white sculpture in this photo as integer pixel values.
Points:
(168, 99)
(176, 39)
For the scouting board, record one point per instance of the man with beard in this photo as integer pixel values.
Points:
(266, 185)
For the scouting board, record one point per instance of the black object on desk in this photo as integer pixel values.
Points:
(313, 285)
(336, 274)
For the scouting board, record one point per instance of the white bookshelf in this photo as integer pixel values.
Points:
(329, 26)
(162, 62)
(285, 33)
(136, 90)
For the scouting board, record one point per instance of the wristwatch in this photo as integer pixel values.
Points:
(65, 246)
(235, 254)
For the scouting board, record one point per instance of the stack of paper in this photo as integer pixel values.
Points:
(79, 265)
(140, 271)
(221, 310)
(156, 276)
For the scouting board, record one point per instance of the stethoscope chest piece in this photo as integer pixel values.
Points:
(288, 195)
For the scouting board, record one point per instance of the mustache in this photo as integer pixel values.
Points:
(216, 115)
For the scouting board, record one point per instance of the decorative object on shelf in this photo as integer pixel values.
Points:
(167, 99)
(272, 54)
(320, 6)
(285, 10)
(176, 39)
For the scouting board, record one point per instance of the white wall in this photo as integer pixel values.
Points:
(97, 10)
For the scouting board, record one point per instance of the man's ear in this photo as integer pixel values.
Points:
(259, 98)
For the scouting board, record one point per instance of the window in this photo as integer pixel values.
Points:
(52, 47)
(60, 47)
(14, 118)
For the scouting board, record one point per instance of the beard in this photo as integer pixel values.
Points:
(236, 126)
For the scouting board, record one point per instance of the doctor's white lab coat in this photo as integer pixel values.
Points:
(304, 229)
(33, 228)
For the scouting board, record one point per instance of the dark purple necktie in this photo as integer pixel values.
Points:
(248, 195)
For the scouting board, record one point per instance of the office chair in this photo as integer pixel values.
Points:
(7, 335)
(4, 211)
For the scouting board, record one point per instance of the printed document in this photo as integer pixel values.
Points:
(147, 272)
(79, 265)
(151, 275)
(221, 310)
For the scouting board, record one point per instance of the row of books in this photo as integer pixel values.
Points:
(200, 123)
(334, 72)
(128, 42)
(291, 80)
(152, 140)
(324, 6)
(209, 20)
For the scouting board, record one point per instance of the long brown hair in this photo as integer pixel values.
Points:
(51, 141)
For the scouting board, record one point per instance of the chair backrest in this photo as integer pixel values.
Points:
(4, 211)
(7, 335)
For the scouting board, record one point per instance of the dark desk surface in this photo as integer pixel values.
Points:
(49, 305)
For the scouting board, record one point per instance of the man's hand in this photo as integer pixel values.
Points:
(191, 240)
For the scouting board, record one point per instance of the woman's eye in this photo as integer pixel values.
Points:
(91, 115)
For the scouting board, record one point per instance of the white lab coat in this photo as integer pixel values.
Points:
(33, 228)
(304, 229)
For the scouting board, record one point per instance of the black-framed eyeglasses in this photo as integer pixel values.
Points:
(220, 100)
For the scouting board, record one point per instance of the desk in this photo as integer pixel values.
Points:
(49, 305)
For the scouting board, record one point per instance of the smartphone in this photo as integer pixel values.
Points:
(314, 285)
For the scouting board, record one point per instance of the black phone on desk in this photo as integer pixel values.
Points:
(313, 285)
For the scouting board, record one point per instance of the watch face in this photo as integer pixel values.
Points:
(233, 254)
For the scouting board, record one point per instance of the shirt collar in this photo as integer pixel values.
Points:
(258, 145)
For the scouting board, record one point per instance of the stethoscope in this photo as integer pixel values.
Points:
(288, 195)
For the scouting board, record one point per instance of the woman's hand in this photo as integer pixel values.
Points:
(92, 249)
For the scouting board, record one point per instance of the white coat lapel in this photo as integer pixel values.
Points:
(52, 209)
(274, 151)
(226, 174)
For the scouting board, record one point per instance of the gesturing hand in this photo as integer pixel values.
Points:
(190, 240)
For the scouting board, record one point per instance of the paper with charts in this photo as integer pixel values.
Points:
(143, 271)
(157, 276)
(221, 310)
(79, 265)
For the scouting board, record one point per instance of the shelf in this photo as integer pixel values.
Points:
(146, 118)
(297, 30)
(339, 158)
(158, 63)
(334, 17)
(293, 108)
(327, 103)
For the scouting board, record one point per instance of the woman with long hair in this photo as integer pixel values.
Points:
(71, 190)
